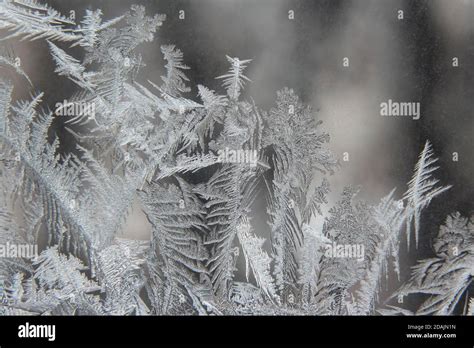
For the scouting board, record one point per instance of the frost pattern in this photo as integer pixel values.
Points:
(159, 145)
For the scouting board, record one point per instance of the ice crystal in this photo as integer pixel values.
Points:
(159, 145)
